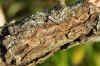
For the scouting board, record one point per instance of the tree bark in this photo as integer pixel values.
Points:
(35, 38)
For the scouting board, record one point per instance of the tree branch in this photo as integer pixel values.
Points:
(37, 37)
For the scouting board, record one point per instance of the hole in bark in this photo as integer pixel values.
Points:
(78, 39)
(64, 46)
(13, 61)
(5, 31)
(90, 33)
(67, 36)
(3, 52)
(3, 49)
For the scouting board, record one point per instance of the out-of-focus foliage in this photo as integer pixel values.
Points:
(72, 2)
(78, 55)
(1, 1)
(17, 9)
(85, 55)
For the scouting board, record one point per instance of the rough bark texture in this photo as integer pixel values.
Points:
(37, 37)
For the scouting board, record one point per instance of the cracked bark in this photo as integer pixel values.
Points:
(34, 39)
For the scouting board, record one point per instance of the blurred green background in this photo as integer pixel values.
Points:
(85, 55)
